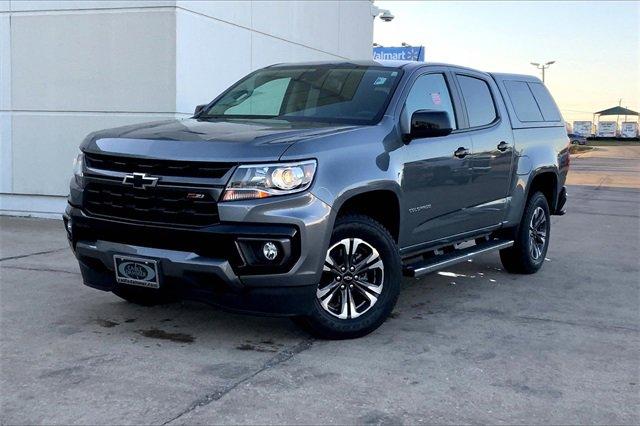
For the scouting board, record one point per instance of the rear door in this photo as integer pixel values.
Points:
(491, 163)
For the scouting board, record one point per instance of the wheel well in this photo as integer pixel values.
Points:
(547, 183)
(381, 205)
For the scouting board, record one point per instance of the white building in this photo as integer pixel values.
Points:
(71, 67)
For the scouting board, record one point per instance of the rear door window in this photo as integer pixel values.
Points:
(477, 97)
(523, 102)
(430, 92)
(545, 102)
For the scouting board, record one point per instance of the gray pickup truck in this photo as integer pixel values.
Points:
(309, 190)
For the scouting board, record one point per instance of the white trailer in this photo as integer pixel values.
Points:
(583, 128)
(629, 129)
(607, 129)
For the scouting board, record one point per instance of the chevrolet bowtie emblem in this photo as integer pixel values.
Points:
(140, 180)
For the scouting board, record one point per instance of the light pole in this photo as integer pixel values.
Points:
(543, 67)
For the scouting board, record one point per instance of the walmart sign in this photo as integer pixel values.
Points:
(410, 53)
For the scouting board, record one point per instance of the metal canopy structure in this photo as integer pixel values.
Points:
(616, 111)
(610, 131)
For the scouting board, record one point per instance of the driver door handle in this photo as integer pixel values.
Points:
(502, 146)
(461, 152)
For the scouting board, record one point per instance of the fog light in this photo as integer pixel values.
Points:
(270, 251)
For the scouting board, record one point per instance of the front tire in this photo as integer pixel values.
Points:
(360, 282)
(527, 254)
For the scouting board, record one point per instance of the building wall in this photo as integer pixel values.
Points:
(71, 67)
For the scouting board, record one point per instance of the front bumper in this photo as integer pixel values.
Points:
(206, 263)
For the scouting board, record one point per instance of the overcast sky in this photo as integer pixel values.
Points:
(596, 45)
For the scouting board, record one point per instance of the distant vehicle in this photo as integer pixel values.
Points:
(577, 139)
(607, 129)
(629, 130)
(584, 128)
(308, 190)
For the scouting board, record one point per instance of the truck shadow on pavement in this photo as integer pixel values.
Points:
(195, 323)
(187, 323)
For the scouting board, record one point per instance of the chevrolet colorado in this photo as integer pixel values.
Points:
(309, 190)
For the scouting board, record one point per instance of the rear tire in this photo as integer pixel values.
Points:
(141, 296)
(360, 282)
(531, 241)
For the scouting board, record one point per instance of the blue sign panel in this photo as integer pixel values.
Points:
(409, 53)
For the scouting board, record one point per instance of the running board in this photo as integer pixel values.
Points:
(437, 262)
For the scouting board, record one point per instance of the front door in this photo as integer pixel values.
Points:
(436, 176)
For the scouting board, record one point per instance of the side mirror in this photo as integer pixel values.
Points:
(429, 124)
(199, 108)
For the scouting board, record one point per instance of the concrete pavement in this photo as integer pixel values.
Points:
(472, 344)
(607, 166)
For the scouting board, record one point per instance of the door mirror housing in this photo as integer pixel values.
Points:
(199, 108)
(429, 124)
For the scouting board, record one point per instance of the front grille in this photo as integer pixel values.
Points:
(154, 205)
(158, 167)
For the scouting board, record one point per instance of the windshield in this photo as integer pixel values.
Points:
(343, 94)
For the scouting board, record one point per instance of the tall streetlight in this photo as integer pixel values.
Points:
(543, 67)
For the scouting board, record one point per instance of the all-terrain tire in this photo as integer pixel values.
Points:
(320, 322)
(523, 257)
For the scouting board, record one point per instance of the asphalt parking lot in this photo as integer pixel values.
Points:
(472, 344)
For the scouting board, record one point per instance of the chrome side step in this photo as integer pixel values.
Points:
(437, 262)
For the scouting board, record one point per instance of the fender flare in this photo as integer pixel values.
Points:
(361, 189)
(356, 190)
(540, 171)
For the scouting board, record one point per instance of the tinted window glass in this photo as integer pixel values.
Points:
(523, 102)
(265, 99)
(477, 98)
(430, 92)
(344, 94)
(545, 102)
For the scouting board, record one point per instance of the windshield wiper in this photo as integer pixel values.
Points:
(238, 116)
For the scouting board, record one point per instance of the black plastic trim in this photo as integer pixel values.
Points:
(215, 241)
(417, 249)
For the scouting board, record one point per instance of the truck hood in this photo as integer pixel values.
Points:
(200, 140)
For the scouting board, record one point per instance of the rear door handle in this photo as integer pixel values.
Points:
(461, 152)
(502, 146)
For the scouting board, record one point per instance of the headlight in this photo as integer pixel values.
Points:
(78, 164)
(267, 180)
